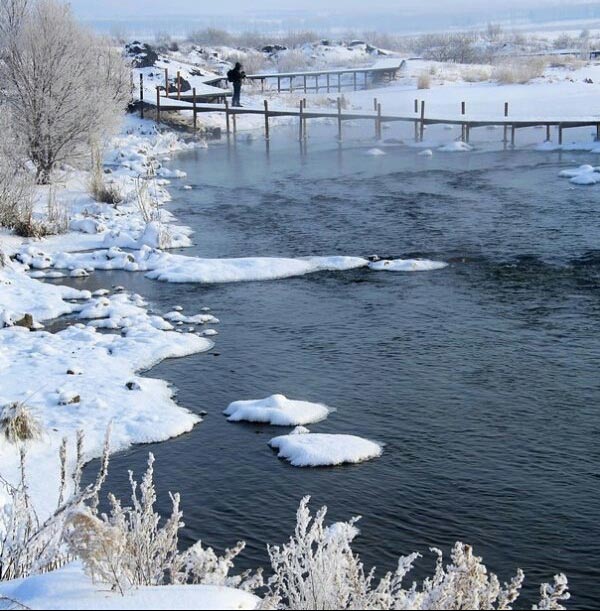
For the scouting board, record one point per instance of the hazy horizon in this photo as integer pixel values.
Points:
(270, 16)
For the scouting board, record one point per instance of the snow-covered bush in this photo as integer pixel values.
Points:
(424, 80)
(16, 184)
(29, 545)
(317, 569)
(17, 423)
(100, 190)
(64, 85)
(128, 547)
(521, 70)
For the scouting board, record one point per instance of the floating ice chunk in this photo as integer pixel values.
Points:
(321, 449)
(79, 273)
(406, 265)
(375, 152)
(426, 153)
(456, 147)
(583, 175)
(198, 319)
(210, 332)
(277, 410)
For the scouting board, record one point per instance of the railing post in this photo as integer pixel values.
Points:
(422, 127)
(506, 126)
(195, 109)
(366, 80)
(266, 120)
(301, 122)
(355, 83)
(513, 132)
(304, 79)
(317, 83)
(278, 84)
(463, 109)
(547, 133)
(339, 118)
(178, 85)
(560, 134)
(167, 82)
(142, 95)
(328, 88)
(379, 120)
(157, 104)
(375, 104)
(291, 84)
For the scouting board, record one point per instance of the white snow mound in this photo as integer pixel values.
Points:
(277, 410)
(406, 265)
(322, 449)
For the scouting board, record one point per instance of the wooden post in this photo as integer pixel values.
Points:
(506, 126)
(513, 132)
(560, 134)
(178, 85)
(597, 132)
(167, 82)
(547, 133)
(366, 80)
(463, 109)
(379, 121)
(262, 85)
(301, 122)
(291, 84)
(234, 122)
(227, 117)
(158, 104)
(375, 104)
(422, 127)
(142, 95)
(317, 83)
(339, 82)
(266, 120)
(467, 133)
(416, 105)
(195, 109)
(355, 85)
(328, 87)
(304, 79)
(278, 84)
(339, 117)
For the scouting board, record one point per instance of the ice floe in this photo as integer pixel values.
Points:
(406, 265)
(324, 449)
(277, 410)
(456, 147)
(583, 175)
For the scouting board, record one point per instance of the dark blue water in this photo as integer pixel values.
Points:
(481, 379)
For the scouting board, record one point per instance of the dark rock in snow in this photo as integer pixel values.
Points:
(274, 48)
(26, 321)
(142, 55)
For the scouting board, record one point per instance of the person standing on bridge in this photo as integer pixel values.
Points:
(236, 76)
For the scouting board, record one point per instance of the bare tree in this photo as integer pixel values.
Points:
(64, 85)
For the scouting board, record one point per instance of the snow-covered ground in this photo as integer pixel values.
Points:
(71, 588)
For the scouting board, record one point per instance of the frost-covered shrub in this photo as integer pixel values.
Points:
(100, 190)
(63, 84)
(17, 423)
(317, 569)
(129, 547)
(292, 61)
(521, 70)
(29, 545)
(424, 80)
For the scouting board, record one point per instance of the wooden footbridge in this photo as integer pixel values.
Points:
(418, 117)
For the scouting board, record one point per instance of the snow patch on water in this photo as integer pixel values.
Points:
(407, 265)
(456, 147)
(322, 449)
(583, 175)
(277, 410)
